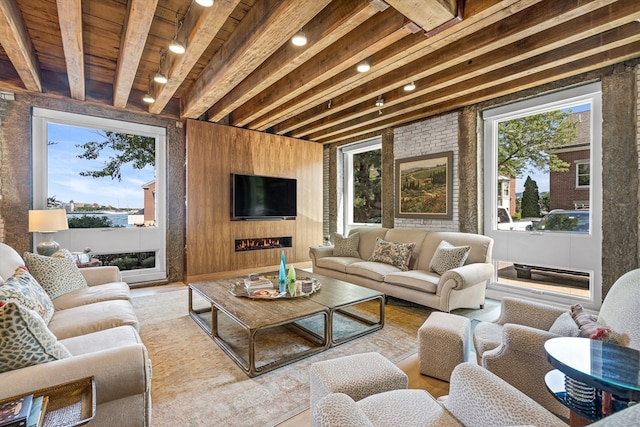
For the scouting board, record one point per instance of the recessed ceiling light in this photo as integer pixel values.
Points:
(176, 46)
(363, 67)
(409, 87)
(299, 39)
(205, 3)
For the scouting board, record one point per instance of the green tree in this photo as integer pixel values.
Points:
(530, 199)
(367, 186)
(525, 143)
(545, 200)
(138, 150)
(90, 221)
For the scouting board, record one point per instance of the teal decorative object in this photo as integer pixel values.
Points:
(282, 277)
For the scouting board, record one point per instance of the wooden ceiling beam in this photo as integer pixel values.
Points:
(490, 86)
(17, 44)
(70, 18)
(427, 14)
(268, 25)
(201, 29)
(400, 53)
(136, 29)
(333, 22)
(594, 22)
(379, 31)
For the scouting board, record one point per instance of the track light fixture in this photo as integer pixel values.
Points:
(363, 67)
(160, 76)
(148, 98)
(379, 101)
(205, 3)
(176, 45)
(409, 86)
(299, 39)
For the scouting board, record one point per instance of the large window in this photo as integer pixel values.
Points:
(109, 177)
(543, 147)
(362, 173)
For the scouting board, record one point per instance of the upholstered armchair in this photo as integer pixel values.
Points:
(476, 398)
(512, 347)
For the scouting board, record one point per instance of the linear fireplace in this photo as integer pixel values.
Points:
(260, 243)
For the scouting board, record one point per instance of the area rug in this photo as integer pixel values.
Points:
(196, 384)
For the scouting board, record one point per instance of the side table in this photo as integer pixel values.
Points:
(593, 378)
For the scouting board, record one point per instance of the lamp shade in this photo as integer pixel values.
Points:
(48, 221)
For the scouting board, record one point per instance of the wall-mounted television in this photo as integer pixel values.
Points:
(262, 197)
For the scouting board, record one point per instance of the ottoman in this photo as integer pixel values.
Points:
(357, 375)
(443, 343)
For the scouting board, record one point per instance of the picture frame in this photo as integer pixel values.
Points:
(424, 186)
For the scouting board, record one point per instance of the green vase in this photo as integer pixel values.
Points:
(291, 281)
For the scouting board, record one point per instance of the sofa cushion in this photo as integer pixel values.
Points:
(448, 257)
(9, 261)
(95, 317)
(346, 246)
(23, 289)
(92, 294)
(393, 253)
(25, 339)
(336, 263)
(57, 276)
(371, 270)
(420, 280)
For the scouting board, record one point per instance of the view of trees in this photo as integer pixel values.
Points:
(530, 203)
(367, 187)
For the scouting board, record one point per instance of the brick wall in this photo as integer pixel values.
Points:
(431, 136)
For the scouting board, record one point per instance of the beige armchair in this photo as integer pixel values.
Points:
(512, 347)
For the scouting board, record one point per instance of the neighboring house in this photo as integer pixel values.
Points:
(149, 202)
(570, 190)
(507, 193)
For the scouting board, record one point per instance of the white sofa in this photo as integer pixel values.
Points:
(99, 329)
(460, 287)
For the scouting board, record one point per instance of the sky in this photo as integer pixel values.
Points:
(65, 182)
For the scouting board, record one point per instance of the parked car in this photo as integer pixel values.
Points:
(505, 222)
(563, 220)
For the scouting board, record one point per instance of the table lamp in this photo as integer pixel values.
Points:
(47, 222)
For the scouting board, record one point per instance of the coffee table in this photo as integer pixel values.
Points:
(313, 318)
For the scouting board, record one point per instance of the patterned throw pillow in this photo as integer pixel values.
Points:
(590, 328)
(23, 289)
(346, 246)
(58, 276)
(25, 339)
(396, 254)
(448, 257)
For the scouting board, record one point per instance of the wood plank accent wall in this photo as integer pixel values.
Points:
(216, 151)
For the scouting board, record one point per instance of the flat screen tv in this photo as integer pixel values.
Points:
(262, 197)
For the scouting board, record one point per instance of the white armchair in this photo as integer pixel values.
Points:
(512, 347)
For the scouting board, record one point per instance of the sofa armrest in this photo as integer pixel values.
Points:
(465, 277)
(119, 372)
(101, 275)
(528, 313)
(316, 252)
(478, 397)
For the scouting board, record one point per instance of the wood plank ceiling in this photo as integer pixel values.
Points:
(240, 67)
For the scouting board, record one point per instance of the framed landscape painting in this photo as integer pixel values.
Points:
(424, 186)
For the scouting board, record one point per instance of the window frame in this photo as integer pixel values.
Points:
(579, 163)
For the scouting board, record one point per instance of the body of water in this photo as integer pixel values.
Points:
(118, 219)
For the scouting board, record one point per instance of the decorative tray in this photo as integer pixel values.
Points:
(238, 289)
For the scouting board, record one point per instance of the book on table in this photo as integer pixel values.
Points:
(256, 284)
(14, 413)
(38, 409)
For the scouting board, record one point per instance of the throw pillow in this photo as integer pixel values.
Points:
(448, 257)
(590, 328)
(25, 339)
(565, 326)
(58, 276)
(23, 289)
(346, 246)
(396, 254)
